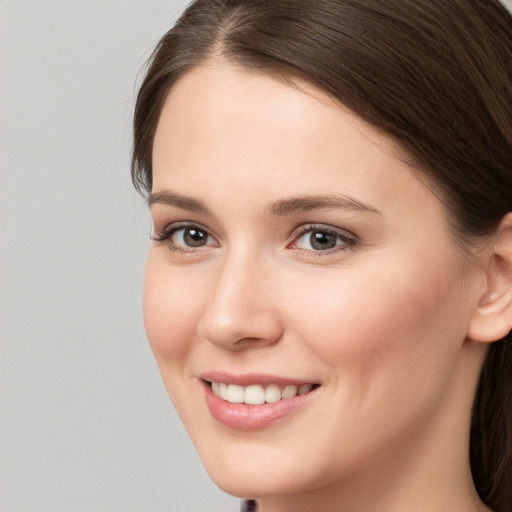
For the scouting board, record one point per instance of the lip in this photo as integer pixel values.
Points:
(249, 379)
(252, 417)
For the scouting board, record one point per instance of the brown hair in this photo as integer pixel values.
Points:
(435, 75)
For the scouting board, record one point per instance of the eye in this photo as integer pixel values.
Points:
(186, 237)
(318, 239)
(189, 237)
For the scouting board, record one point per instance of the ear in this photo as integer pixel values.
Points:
(492, 319)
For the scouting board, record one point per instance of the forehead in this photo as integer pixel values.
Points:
(226, 126)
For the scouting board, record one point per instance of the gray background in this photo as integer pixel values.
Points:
(85, 424)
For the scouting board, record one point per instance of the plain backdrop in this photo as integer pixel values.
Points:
(85, 423)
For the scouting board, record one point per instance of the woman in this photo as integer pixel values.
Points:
(328, 292)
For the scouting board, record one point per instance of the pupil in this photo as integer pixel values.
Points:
(194, 237)
(322, 241)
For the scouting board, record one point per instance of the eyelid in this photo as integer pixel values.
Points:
(165, 235)
(350, 240)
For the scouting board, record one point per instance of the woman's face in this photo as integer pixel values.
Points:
(294, 253)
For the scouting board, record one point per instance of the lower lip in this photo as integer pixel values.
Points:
(253, 417)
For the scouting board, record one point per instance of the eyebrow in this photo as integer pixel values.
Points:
(307, 203)
(279, 208)
(177, 200)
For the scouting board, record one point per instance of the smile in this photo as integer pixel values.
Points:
(256, 401)
(258, 394)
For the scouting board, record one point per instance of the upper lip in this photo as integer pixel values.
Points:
(248, 379)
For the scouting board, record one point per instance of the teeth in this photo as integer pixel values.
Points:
(272, 394)
(257, 394)
(235, 394)
(223, 391)
(254, 395)
(304, 388)
(289, 391)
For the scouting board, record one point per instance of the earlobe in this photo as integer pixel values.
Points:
(492, 319)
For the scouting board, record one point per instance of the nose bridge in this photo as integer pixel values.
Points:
(241, 307)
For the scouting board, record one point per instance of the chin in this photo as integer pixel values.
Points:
(259, 471)
(256, 483)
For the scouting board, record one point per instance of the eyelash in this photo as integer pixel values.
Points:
(170, 230)
(348, 241)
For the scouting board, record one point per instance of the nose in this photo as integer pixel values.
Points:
(241, 310)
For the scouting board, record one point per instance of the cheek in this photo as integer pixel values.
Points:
(171, 308)
(375, 329)
(388, 349)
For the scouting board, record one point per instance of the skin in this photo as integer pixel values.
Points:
(381, 321)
